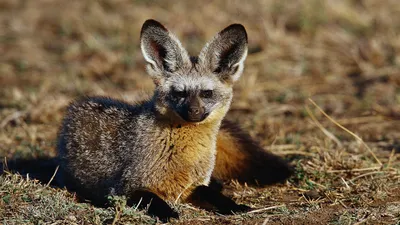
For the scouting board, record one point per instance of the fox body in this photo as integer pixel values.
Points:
(115, 147)
(165, 148)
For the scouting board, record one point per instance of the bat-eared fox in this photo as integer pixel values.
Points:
(168, 148)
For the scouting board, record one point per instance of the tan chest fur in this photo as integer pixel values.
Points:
(186, 160)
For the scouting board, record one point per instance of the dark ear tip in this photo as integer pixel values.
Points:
(237, 26)
(238, 29)
(152, 23)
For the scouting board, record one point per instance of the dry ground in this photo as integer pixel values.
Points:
(344, 55)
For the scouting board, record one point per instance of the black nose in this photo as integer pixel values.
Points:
(194, 114)
(194, 111)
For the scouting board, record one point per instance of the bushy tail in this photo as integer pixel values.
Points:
(240, 158)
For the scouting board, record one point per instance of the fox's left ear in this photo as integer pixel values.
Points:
(224, 55)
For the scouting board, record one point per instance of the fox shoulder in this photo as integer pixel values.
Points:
(240, 158)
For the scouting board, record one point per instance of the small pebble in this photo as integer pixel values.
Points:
(312, 195)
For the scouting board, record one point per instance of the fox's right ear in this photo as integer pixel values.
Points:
(162, 50)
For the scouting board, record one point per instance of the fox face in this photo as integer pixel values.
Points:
(193, 89)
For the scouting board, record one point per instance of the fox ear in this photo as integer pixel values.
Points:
(224, 55)
(162, 50)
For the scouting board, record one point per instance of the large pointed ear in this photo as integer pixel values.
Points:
(224, 55)
(161, 49)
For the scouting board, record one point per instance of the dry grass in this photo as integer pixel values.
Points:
(344, 55)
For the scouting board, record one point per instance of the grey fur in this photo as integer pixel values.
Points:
(111, 147)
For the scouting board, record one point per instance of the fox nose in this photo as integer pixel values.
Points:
(194, 111)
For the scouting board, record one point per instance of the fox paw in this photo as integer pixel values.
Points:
(163, 212)
(235, 209)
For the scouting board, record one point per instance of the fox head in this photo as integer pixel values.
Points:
(193, 89)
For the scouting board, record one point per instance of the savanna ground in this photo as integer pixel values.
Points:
(343, 55)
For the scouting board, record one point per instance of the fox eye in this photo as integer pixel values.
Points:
(206, 93)
(179, 94)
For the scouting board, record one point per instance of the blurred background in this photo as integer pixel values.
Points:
(343, 54)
